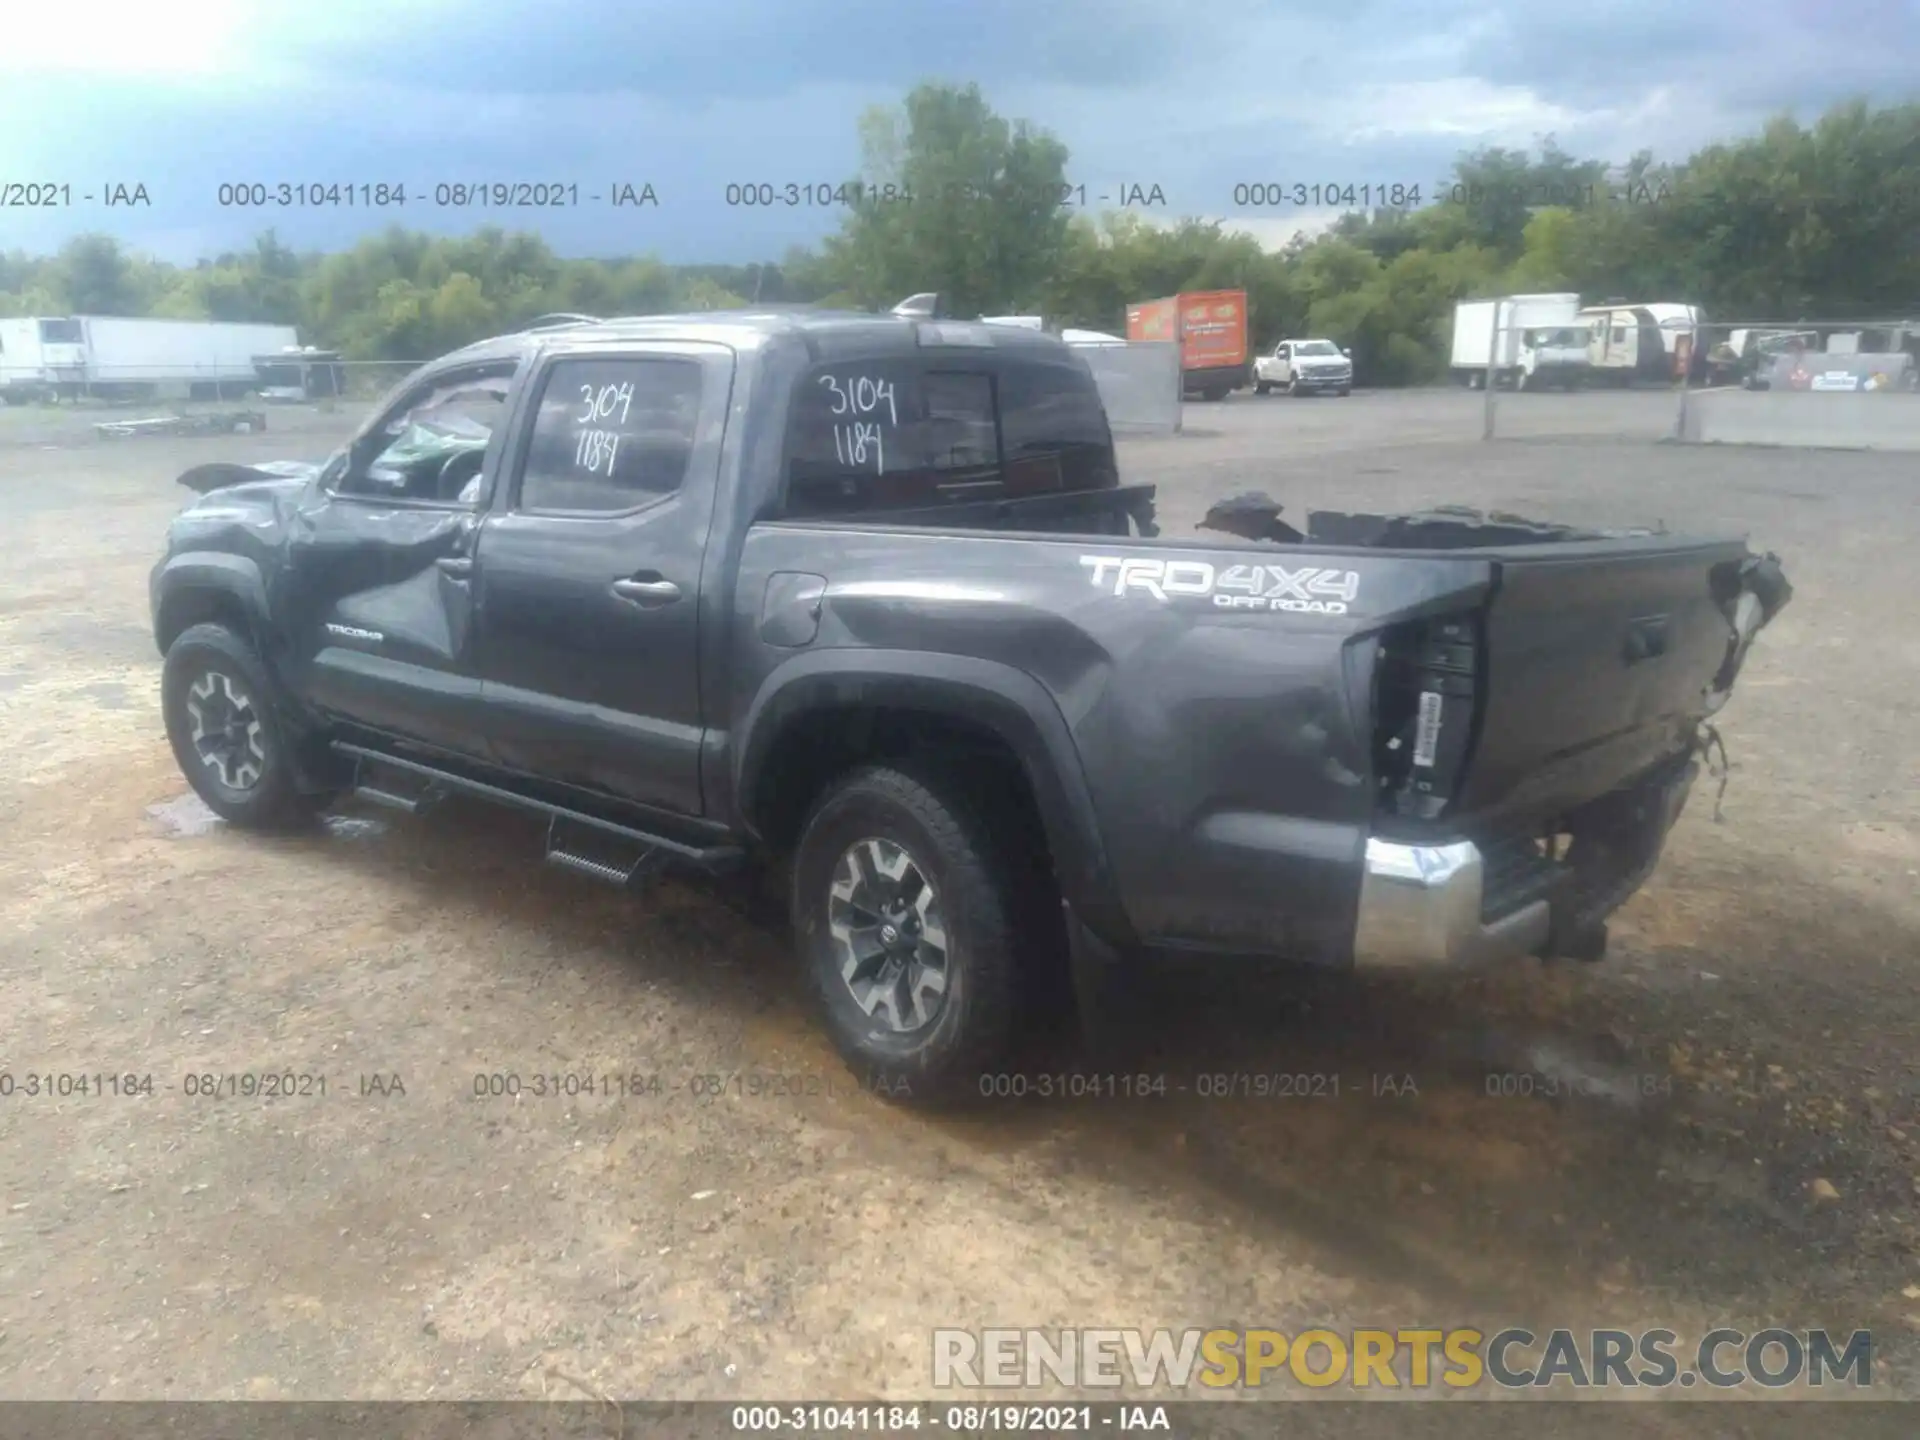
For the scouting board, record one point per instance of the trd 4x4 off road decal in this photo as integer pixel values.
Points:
(1309, 590)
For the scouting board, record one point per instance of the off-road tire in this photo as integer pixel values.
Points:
(927, 814)
(1261, 387)
(273, 800)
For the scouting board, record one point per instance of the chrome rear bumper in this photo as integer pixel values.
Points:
(1420, 908)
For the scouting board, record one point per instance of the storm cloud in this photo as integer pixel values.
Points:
(696, 95)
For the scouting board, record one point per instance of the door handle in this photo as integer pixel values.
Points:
(1646, 639)
(647, 592)
(460, 567)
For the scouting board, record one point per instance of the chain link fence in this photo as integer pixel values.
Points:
(1828, 384)
(120, 403)
(1664, 372)
(1554, 370)
(120, 386)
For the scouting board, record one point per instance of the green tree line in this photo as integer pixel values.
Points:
(1819, 221)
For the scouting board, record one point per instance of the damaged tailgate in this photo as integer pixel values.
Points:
(1596, 655)
(1599, 660)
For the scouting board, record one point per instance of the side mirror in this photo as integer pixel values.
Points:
(1346, 352)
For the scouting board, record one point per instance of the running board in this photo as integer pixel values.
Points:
(612, 874)
(390, 798)
(627, 870)
(650, 851)
(387, 800)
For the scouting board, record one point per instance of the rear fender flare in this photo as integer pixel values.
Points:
(1008, 702)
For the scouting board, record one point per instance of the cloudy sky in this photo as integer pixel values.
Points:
(693, 95)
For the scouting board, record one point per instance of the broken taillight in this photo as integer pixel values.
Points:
(1426, 694)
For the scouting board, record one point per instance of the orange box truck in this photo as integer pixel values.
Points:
(1210, 327)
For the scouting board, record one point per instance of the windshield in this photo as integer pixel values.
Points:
(1315, 347)
(1569, 337)
(439, 434)
(418, 443)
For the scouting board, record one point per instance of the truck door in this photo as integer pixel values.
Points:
(378, 567)
(590, 571)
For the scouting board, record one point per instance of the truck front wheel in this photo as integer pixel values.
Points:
(903, 911)
(218, 703)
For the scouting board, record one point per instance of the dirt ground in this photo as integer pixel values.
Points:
(758, 1229)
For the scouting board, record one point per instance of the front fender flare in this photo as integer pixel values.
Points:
(1008, 702)
(195, 572)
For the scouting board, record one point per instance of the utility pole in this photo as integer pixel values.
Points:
(1493, 371)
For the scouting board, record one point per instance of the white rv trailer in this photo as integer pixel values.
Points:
(1638, 342)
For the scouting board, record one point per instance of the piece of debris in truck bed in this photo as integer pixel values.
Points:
(1256, 516)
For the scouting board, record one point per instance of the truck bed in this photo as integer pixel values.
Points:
(1257, 709)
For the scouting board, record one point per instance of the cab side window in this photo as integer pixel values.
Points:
(915, 434)
(611, 434)
(1053, 429)
(855, 442)
(963, 435)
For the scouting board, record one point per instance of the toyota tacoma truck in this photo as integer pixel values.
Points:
(861, 602)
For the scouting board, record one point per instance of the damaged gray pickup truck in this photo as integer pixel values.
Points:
(865, 596)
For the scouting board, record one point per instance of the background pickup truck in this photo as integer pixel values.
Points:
(864, 595)
(1304, 367)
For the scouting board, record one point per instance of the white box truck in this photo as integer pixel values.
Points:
(1542, 342)
(41, 358)
(177, 359)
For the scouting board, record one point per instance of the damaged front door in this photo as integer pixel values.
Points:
(382, 559)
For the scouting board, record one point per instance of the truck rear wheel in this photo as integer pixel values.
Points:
(903, 914)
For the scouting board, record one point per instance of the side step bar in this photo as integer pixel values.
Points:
(388, 797)
(624, 861)
(642, 851)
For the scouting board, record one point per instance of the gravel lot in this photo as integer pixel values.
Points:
(1753, 1032)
